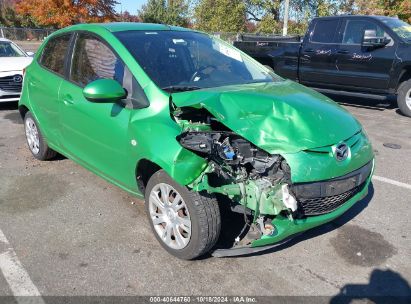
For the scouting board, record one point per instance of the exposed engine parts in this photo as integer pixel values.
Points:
(226, 148)
(246, 174)
(235, 157)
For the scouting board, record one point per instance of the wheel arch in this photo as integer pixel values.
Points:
(183, 167)
(405, 75)
(23, 110)
(144, 170)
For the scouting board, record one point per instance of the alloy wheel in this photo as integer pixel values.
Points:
(32, 135)
(169, 215)
(408, 99)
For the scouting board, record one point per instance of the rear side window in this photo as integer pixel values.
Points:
(324, 31)
(54, 53)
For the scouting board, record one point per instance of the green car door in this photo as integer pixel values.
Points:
(44, 84)
(95, 133)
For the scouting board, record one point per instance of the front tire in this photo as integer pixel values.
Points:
(186, 223)
(404, 97)
(35, 140)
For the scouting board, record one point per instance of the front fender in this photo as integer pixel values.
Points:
(155, 134)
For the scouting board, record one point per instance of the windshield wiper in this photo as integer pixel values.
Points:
(180, 88)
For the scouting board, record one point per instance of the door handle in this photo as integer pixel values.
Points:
(309, 51)
(343, 51)
(68, 100)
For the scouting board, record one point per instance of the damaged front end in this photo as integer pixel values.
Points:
(238, 169)
(256, 182)
(259, 184)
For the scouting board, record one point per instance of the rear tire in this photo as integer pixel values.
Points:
(35, 140)
(404, 97)
(185, 222)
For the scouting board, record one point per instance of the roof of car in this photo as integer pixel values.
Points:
(4, 40)
(356, 16)
(127, 26)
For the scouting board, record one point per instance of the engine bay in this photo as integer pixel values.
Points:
(235, 157)
(254, 180)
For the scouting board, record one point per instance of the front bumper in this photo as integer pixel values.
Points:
(287, 229)
(9, 97)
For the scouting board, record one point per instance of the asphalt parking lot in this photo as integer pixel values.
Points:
(72, 233)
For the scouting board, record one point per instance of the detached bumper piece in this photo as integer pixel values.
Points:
(326, 196)
(247, 250)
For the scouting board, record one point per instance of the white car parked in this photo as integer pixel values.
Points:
(12, 62)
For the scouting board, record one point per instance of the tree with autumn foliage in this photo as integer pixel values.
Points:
(127, 17)
(61, 13)
(400, 8)
(9, 17)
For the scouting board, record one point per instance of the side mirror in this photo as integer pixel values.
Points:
(370, 35)
(30, 54)
(371, 40)
(104, 91)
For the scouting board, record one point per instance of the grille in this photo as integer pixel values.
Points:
(322, 205)
(9, 84)
(325, 196)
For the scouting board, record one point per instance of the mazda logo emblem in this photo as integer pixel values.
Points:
(17, 78)
(341, 151)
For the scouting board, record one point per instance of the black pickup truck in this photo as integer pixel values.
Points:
(366, 56)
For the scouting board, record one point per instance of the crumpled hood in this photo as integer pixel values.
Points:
(14, 63)
(279, 117)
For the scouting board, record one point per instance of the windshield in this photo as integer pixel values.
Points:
(180, 61)
(8, 49)
(401, 28)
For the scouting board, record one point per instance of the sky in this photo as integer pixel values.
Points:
(130, 5)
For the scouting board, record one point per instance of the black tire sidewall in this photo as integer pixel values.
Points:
(42, 144)
(401, 97)
(191, 250)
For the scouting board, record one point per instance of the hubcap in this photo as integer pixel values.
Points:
(32, 135)
(170, 216)
(408, 99)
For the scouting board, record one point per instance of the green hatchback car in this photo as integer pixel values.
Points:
(194, 125)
